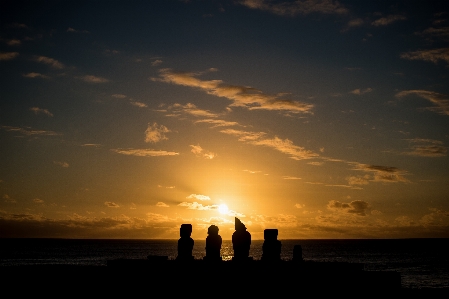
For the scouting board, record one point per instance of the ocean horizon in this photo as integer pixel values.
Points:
(422, 263)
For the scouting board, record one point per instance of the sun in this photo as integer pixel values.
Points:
(223, 209)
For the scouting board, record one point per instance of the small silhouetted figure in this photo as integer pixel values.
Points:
(213, 244)
(271, 248)
(241, 241)
(297, 253)
(185, 243)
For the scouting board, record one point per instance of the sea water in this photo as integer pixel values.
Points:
(423, 263)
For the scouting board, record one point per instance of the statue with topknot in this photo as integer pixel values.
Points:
(241, 241)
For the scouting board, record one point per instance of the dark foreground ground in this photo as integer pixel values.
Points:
(230, 279)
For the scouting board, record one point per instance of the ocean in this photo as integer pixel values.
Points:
(423, 263)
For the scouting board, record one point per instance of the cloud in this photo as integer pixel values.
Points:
(286, 177)
(388, 20)
(382, 173)
(285, 146)
(35, 75)
(190, 109)
(218, 122)
(155, 133)
(434, 55)
(38, 201)
(440, 101)
(244, 135)
(241, 96)
(437, 33)
(156, 62)
(359, 91)
(70, 29)
(198, 196)
(38, 110)
(358, 207)
(50, 61)
(93, 79)
(198, 151)
(197, 206)
(62, 164)
(144, 152)
(138, 104)
(29, 131)
(8, 199)
(111, 204)
(299, 206)
(162, 205)
(8, 55)
(119, 96)
(293, 8)
(426, 148)
(358, 180)
(13, 42)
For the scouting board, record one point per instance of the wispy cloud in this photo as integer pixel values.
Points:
(70, 29)
(440, 101)
(8, 55)
(241, 96)
(358, 207)
(38, 201)
(50, 61)
(161, 204)
(382, 173)
(433, 55)
(198, 197)
(155, 133)
(426, 148)
(38, 110)
(200, 152)
(144, 152)
(111, 204)
(62, 164)
(35, 75)
(293, 8)
(191, 109)
(93, 79)
(285, 146)
(441, 33)
(138, 104)
(359, 91)
(197, 206)
(29, 131)
(286, 177)
(384, 21)
(218, 122)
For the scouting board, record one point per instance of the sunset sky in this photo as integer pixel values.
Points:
(321, 118)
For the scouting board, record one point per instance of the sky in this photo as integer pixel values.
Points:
(323, 119)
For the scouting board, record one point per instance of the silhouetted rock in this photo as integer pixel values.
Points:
(213, 244)
(271, 248)
(241, 241)
(185, 243)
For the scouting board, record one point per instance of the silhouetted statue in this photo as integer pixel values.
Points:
(241, 241)
(185, 243)
(271, 248)
(297, 253)
(213, 244)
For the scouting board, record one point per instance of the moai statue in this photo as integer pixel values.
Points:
(241, 241)
(185, 243)
(213, 244)
(271, 248)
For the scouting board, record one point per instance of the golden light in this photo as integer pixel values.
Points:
(223, 209)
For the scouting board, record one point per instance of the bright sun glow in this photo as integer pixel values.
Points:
(223, 209)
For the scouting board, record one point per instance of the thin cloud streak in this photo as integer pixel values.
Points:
(144, 152)
(241, 96)
(441, 101)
